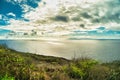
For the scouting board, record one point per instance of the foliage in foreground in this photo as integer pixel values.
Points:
(24, 66)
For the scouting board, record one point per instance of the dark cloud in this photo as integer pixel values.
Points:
(110, 9)
(82, 25)
(96, 20)
(77, 18)
(85, 15)
(99, 13)
(61, 18)
(105, 11)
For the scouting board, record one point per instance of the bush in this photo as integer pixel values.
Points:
(98, 72)
(74, 72)
(6, 77)
(24, 66)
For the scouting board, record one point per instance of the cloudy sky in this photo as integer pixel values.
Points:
(92, 17)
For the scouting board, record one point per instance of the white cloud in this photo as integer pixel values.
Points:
(24, 4)
(26, 8)
(16, 1)
(19, 25)
(89, 12)
(48, 8)
(0, 16)
(43, 11)
(113, 26)
(51, 8)
(11, 14)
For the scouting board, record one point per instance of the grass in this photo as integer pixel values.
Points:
(25, 66)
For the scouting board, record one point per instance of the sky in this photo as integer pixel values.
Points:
(73, 17)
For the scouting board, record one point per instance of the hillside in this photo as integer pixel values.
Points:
(26, 66)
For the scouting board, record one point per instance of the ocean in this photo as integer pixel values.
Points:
(101, 50)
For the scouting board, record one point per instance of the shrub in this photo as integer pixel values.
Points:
(98, 72)
(74, 72)
(6, 77)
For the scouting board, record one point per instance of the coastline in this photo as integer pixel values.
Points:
(26, 66)
(96, 49)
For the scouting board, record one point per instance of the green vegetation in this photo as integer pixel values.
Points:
(25, 66)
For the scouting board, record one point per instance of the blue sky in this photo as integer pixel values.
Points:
(86, 15)
(14, 7)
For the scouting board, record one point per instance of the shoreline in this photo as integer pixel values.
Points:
(68, 48)
(56, 38)
(16, 65)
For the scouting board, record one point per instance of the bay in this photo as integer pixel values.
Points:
(101, 50)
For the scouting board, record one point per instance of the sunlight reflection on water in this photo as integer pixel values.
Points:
(103, 50)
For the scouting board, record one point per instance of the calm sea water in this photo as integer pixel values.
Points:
(102, 50)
